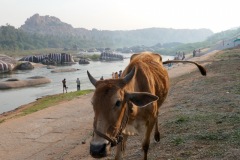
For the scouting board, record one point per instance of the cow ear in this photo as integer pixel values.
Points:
(141, 99)
(133, 56)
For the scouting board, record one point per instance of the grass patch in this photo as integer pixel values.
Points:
(212, 136)
(229, 53)
(182, 119)
(236, 89)
(236, 137)
(206, 117)
(177, 141)
(214, 152)
(52, 100)
(1, 121)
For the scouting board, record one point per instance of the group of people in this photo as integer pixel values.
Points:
(116, 75)
(179, 56)
(65, 86)
(196, 51)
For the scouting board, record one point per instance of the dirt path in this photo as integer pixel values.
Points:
(52, 133)
(60, 132)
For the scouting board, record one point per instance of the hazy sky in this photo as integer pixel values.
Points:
(217, 15)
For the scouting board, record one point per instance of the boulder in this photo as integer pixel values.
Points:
(25, 66)
(50, 67)
(83, 61)
(31, 81)
(64, 70)
(50, 59)
(7, 63)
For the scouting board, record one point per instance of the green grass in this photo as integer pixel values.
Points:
(182, 119)
(214, 152)
(48, 101)
(177, 141)
(94, 57)
(229, 53)
(213, 136)
(236, 137)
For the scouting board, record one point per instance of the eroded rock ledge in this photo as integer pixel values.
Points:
(17, 83)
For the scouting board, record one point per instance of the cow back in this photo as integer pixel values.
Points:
(151, 76)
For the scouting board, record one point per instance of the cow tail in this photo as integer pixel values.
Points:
(201, 68)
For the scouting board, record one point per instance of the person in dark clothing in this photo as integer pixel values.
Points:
(183, 56)
(120, 73)
(78, 84)
(194, 53)
(64, 85)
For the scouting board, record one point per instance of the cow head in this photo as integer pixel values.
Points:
(110, 104)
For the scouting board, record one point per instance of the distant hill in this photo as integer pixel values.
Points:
(40, 32)
(49, 25)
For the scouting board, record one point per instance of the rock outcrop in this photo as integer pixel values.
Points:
(105, 56)
(7, 63)
(50, 59)
(64, 70)
(31, 81)
(25, 66)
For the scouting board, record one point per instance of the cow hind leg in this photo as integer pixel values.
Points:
(156, 133)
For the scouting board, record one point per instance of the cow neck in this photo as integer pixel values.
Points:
(119, 137)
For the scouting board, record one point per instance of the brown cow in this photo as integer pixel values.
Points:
(130, 104)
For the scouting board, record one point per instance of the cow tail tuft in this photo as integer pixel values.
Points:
(202, 70)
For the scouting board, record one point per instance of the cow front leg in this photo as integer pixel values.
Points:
(121, 148)
(146, 142)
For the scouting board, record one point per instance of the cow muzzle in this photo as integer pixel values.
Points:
(98, 151)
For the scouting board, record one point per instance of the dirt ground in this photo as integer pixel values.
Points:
(199, 120)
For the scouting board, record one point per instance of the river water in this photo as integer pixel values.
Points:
(13, 98)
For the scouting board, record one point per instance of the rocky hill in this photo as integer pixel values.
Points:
(49, 25)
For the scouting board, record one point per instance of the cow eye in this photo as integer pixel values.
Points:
(118, 103)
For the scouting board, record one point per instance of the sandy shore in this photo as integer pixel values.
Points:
(62, 131)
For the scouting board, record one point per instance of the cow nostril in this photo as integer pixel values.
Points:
(98, 151)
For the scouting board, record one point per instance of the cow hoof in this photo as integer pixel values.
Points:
(157, 136)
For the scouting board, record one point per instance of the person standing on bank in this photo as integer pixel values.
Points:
(194, 53)
(116, 75)
(78, 84)
(64, 85)
(119, 73)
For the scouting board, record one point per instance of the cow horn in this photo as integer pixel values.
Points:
(129, 76)
(92, 80)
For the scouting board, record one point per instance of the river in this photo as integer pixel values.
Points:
(13, 98)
